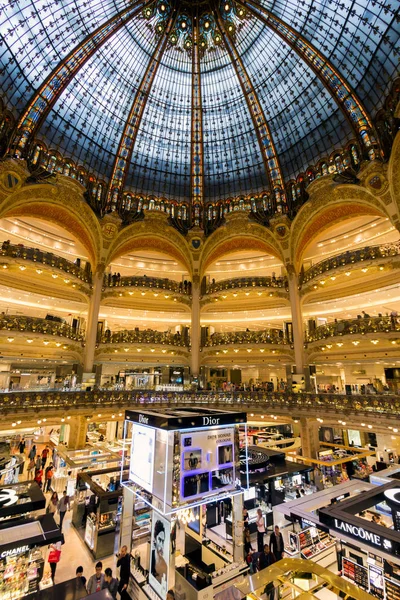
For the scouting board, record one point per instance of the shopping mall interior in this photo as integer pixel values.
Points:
(199, 299)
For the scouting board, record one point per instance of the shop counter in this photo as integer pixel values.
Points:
(97, 509)
(252, 512)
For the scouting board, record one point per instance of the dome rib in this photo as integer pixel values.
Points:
(344, 96)
(197, 154)
(128, 138)
(46, 96)
(264, 137)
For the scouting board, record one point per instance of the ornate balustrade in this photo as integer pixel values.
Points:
(247, 282)
(269, 336)
(36, 325)
(295, 405)
(354, 326)
(147, 336)
(156, 283)
(349, 258)
(46, 258)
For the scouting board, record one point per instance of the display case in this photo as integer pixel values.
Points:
(20, 575)
(97, 509)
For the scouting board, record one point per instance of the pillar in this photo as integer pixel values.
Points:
(309, 437)
(93, 318)
(237, 528)
(195, 329)
(297, 319)
(77, 432)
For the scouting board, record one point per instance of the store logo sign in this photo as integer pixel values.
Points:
(359, 532)
(393, 495)
(210, 421)
(143, 419)
(14, 551)
(8, 497)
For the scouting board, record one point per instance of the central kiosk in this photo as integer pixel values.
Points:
(185, 482)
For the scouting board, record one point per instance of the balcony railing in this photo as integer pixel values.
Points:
(349, 258)
(354, 326)
(157, 283)
(148, 336)
(36, 325)
(65, 403)
(246, 282)
(46, 258)
(269, 336)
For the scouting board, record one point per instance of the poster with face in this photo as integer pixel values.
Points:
(159, 558)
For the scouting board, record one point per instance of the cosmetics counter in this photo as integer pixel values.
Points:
(352, 528)
(97, 509)
(23, 541)
(71, 462)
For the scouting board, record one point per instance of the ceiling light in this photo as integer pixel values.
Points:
(375, 341)
(139, 349)
(22, 268)
(10, 339)
(54, 275)
(369, 426)
(356, 343)
(29, 341)
(45, 342)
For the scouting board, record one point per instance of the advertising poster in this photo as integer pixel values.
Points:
(159, 557)
(143, 446)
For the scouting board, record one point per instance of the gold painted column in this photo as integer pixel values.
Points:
(297, 319)
(195, 328)
(93, 317)
(77, 433)
(309, 437)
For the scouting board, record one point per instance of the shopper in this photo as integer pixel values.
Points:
(53, 504)
(96, 581)
(276, 544)
(63, 506)
(170, 595)
(45, 453)
(80, 575)
(21, 446)
(38, 463)
(124, 562)
(39, 477)
(48, 477)
(110, 583)
(31, 469)
(266, 558)
(260, 530)
(32, 452)
(54, 557)
(247, 541)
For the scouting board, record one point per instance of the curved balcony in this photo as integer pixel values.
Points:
(294, 405)
(247, 282)
(152, 283)
(361, 326)
(369, 253)
(269, 336)
(46, 258)
(36, 325)
(147, 336)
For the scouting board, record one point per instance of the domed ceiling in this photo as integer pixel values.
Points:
(203, 99)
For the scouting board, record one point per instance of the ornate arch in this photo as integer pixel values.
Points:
(330, 204)
(61, 204)
(151, 234)
(394, 170)
(239, 234)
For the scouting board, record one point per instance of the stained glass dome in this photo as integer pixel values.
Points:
(197, 100)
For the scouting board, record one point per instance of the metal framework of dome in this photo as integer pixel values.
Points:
(196, 101)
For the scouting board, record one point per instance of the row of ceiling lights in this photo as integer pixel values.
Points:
(40, 271)
(355, 343)
(346, 274)
(45, 342)
(40, 421)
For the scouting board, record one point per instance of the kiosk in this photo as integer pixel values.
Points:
(189, 461)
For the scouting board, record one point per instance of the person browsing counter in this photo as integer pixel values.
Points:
(260, 522)
(276, 544)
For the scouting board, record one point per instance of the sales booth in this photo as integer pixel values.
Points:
(97, 509)
(181, 496)
(352, 528)
(23, 541)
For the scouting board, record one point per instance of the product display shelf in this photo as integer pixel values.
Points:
(20, 575)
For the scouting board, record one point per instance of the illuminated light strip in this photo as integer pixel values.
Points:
(44, 99)
(129, 135)
(267, 147)
(197, 156)
(344, 96)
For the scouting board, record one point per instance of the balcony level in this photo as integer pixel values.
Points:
(150, 292)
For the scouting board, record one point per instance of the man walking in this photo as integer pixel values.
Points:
(276, 544)
(63, 506)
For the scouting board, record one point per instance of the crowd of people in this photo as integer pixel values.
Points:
(266, 552)
(115, 280)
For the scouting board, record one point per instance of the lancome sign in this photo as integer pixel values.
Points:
(363, 534)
